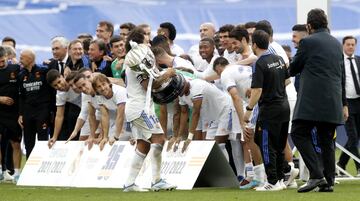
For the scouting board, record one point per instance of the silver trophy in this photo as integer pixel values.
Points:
(141, 59)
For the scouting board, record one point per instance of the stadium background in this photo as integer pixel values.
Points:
(34, 22)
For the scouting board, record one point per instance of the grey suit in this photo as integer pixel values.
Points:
(320, 100)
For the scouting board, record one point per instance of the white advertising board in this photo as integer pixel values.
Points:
(73, 165)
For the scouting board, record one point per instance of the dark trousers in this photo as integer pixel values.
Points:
(271, 138)
(6, 154)
(70, 116)
(352, 126)
(35, 121)
(9, 131)
(319, 157)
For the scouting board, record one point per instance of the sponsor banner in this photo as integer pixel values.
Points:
(73, 165)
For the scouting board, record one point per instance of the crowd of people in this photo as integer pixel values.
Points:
(238, 87)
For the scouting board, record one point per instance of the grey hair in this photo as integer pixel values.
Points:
(62, 40)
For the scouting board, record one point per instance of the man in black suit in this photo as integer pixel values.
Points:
(59, 48)
(321, 100)
(352, 77)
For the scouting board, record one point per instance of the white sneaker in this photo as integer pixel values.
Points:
(293, 184)
(162, 185)
(134, 188)
(282, 184)
(7, 176)
(270, 187)
(294, 172)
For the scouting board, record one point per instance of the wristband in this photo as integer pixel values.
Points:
(116, 138)
(190, 136)
(249, 109)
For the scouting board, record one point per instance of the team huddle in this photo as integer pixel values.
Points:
(234, 87)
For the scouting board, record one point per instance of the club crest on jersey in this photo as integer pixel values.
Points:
(37, 75)
(44, 126)
(12, 75)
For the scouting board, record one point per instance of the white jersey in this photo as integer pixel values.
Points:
(237, 76)
(85, 100)
(196, 57)
(275, 48)
(232, 57)
(214, 101)
(119, 97)
(176, 49)
(180, 62)
(204, 65)
(68, 96)
(136, 95)
(209, 71)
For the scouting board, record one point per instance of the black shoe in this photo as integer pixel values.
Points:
(312, 184)
(326, 189)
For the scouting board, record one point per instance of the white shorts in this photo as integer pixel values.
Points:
(144, 126)
(292, 96)
(228, 123)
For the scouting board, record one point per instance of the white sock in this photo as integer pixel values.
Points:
(259, 172)
(262, 173)
(223, 149)
(249, 171)
(238, 157)
(1, 169)
(16, 172)
(155, 152)
(135, 167)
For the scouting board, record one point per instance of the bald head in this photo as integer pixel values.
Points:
(207, 30)
(27, 58)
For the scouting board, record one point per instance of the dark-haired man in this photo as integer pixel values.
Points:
(168, 29)
(117, 44)
(352, 125)
(125, 29)
(97, 51)
(229, 53)
(68, 103)
(268, 91)
(9, 96)
(321, 102)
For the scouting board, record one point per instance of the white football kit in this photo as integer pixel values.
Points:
(215, 106)
(119, 97)
(143, 120)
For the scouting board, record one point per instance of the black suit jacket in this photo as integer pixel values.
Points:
(54, 64)
(319, 59)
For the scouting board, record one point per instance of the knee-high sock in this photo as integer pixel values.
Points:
(155, 151)
(223, 149)
(260, 174)
(238, 157)
(135, 167)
